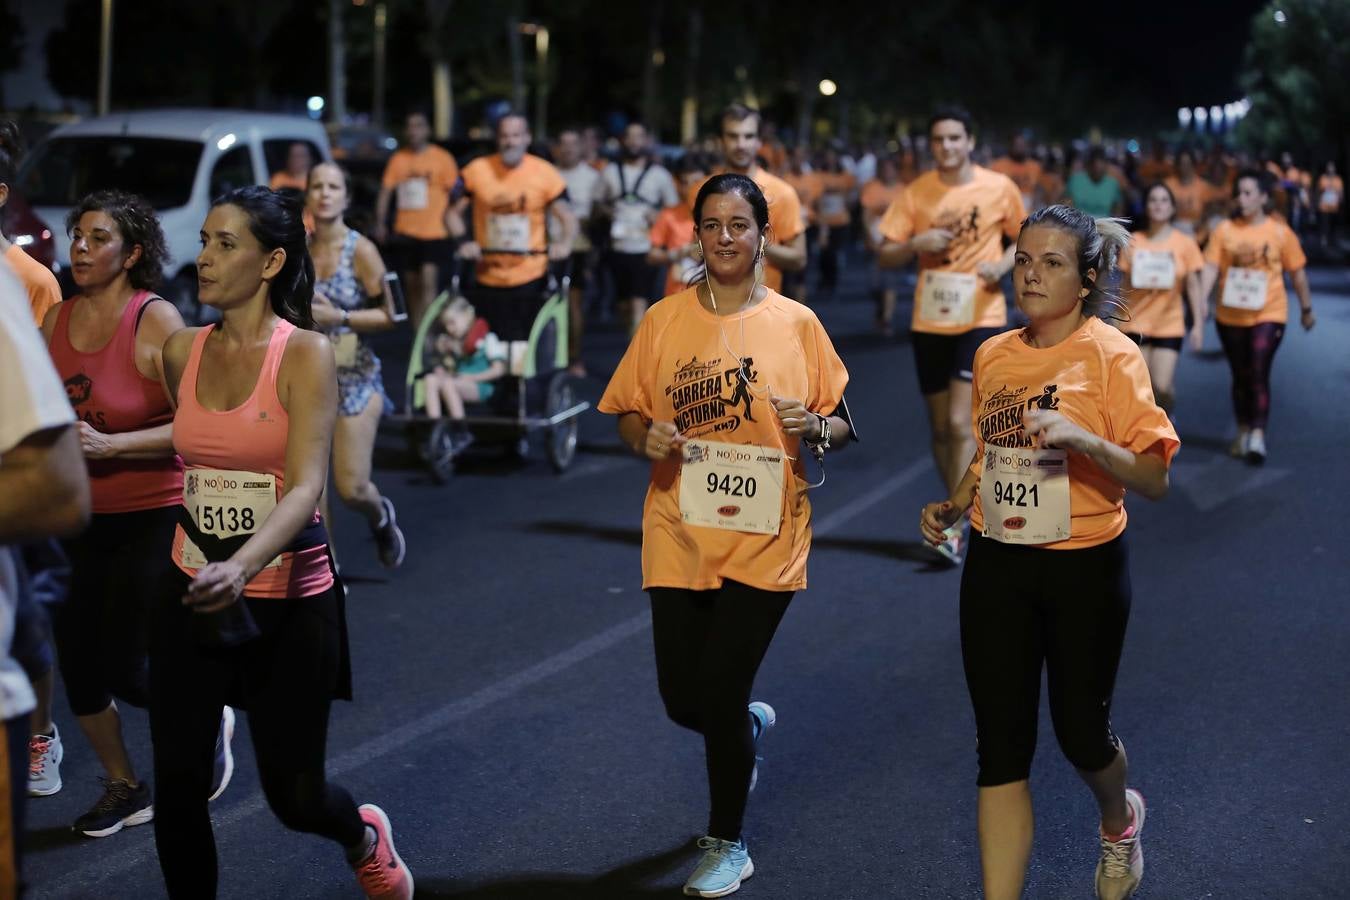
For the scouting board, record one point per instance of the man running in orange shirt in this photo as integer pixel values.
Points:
(1023, 168)
(423, 177)
(513, 192)
(877, 197)
(740, 149)
(960, 221)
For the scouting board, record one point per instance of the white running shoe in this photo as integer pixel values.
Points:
(1121, 866)
(44, 763)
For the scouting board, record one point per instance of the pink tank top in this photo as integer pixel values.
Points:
(251, 438)
(109, 392)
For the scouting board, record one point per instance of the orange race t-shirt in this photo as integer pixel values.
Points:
(1330, 191)
(785, 216)
(284, 179)
(1192, 198)
(1151, 170)
(980, 214)
(680, 368)
(1159, 312)
(673, 229)
(875, 199)
(510, 212)
(1051, 187)
(1024, 174)
(833, 200)
(809, 187)
(422, 184)
(1272, 248)
(44, 291)
(1097, 379)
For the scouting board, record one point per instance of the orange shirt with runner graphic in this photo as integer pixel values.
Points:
(1271, 247)
(1158, 312)
(682, 367)
(422, 183)
(672, 230)
(979, 214)
(1192, 198)
(1025, 174)
(1097, 379)
(1330, 193)
(832, 203)
(785, 216)
(44, 291)
(510, 212)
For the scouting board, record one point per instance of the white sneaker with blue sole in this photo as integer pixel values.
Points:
(725, 864)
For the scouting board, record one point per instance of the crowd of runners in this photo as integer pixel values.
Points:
(171, 484)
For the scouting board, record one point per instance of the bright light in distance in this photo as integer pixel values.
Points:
(1201, 114)
(1184, 116)
(226, 142)
(314, 104)
(1216, 113)
(23, 240)
(1230, 111)
(1132, 146)
(391, 143)
(828, 87)
(1280, 17)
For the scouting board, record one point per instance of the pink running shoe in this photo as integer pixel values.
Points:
(382, 875)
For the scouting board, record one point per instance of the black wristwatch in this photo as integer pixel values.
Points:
(822, 442)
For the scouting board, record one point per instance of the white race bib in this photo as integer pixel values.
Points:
(508, 231)
(734, 487)
(1245, 288)
(226, 503)
(833, 206)
(344, 349)
(1024, 495)
(413, 193)
(1153, 270)
(947, 298)
(1329, 200)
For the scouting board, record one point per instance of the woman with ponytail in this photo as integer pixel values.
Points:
(1065, 423)
(250, 609)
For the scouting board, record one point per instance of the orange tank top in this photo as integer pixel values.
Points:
(250, 438)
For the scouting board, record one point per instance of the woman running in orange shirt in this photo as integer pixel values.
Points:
(1162, 262)
(1065, 424)
(1248, 256)
(719, 388)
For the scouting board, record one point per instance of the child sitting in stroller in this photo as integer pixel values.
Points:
(466, 360)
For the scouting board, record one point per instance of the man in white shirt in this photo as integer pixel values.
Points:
(44, 492)
(583, 183)
(633, 192)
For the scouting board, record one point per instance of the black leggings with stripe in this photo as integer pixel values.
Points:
(1250, 352)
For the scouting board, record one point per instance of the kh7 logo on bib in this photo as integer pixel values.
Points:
(711, 397)
(1001, 414)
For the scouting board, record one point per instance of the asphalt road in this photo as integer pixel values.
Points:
(507, 717)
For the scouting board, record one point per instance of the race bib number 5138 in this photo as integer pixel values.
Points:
(226, 503)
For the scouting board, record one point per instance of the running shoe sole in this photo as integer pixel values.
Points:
(729, 889)
(388, 836)
(33, 792)
(140, 817)
(227, 726)
(392, 524)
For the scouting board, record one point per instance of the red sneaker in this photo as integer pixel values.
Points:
(382, 875)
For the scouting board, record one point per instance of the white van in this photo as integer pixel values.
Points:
(178, 159)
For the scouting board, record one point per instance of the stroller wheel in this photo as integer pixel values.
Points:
(439, 452)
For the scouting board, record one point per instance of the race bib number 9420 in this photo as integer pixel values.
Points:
(734, 487)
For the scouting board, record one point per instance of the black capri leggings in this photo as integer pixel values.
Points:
(709, 645)
(102, 629)
(1250, 352)
(1023, 607)
(285, 679)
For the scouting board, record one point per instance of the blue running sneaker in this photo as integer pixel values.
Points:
(725, 864)
(763, 718)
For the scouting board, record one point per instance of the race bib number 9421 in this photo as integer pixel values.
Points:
(1024, 495)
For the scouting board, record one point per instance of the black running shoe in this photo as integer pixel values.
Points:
(121, 806)
(389, 537)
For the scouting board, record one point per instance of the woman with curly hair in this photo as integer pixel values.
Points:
(107, 344)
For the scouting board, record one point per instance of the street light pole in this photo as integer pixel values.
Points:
(541, 75)
(337, 63)
(105, 49)
(377, 102)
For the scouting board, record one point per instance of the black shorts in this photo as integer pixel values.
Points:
(944, 358)
(1143, 340)
(510, 311)
(633, 277)
(583, 261)
(413, 252)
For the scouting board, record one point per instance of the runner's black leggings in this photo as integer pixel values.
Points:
(102, 629)
(1251, 351)
(709, 645)
(285, 680)
(1024, 608)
